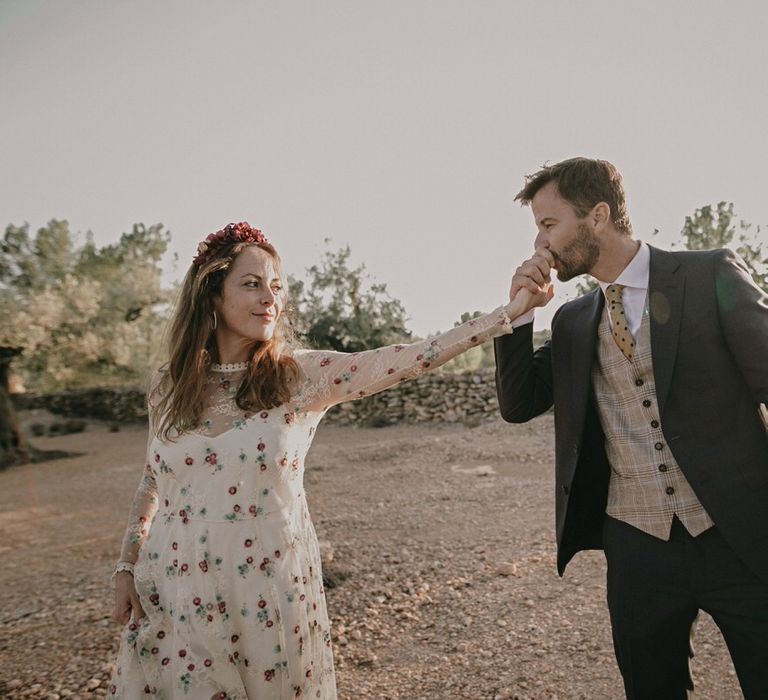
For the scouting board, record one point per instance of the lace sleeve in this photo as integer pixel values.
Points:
(334, 377)
(143, 509)
(144, 505)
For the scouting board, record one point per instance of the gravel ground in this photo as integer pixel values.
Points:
(441, 568)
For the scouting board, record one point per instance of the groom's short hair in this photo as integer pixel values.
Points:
(583, 183)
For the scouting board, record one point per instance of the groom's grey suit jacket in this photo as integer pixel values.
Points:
(709, 342)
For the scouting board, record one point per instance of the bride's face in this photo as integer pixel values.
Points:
(251, 298)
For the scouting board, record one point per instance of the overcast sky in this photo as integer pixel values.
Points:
(402, 128)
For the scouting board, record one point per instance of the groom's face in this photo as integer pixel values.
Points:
(569, 238)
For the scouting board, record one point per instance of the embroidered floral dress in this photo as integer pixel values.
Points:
(227, 560)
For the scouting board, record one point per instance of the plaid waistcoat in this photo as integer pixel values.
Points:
(647, 487)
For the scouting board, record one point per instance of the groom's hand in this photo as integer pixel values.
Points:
(534, 276)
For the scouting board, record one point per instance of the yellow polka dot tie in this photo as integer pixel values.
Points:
(619, 321)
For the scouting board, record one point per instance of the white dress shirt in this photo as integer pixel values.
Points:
(634, 277)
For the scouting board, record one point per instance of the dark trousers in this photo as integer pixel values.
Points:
(655, 592)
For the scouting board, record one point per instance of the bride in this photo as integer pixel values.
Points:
(219, 583)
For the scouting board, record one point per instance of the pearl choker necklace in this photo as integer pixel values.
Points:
(232, 367)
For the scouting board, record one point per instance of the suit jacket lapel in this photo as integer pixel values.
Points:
(666, 289)
(583, 341)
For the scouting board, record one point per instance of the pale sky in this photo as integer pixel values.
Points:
(403, 128)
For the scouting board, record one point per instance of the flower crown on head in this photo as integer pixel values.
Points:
(242, 232)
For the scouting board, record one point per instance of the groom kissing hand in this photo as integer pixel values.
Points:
(658, 378)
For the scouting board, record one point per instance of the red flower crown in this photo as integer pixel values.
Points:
(231, 233)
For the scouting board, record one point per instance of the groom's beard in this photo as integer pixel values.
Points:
(578, 257)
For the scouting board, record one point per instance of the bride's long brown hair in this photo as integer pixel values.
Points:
(177, 398)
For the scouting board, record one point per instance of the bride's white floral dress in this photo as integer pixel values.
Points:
(227, 560)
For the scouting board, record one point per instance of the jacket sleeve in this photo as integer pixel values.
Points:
(743, 310)
(523, 377)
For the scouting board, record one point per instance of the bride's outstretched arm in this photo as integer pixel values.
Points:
(335, 377)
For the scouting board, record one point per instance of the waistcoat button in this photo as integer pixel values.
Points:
(670, 490)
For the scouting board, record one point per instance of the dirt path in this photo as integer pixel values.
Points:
(421, 521)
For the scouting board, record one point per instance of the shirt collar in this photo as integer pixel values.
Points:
(637, 272)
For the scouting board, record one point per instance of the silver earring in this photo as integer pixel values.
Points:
(215, 321)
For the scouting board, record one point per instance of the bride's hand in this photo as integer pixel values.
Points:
(531, 284)
(126, 599)
(525, 300)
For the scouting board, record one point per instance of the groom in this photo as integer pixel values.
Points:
(657, 379)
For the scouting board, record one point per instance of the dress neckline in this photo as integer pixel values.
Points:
(229, 367)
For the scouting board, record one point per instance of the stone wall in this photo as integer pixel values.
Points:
(468, 397)
(438, 397)
(107, 404)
